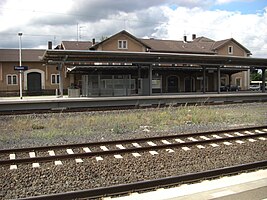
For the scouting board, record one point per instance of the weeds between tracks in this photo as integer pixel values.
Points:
(50, 125)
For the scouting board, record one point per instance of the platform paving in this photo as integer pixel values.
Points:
(246, 186)
(63, 103)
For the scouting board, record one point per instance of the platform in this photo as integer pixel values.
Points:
(64, 103)
(246, 186)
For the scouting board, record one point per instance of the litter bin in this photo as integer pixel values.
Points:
(73, 92)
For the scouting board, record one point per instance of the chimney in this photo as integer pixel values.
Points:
(93, 41)
(49, 44)
(185, 38)
(194, 36)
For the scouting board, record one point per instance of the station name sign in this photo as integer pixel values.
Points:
(21, 68)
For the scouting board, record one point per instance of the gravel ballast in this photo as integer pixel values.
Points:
(28, 181)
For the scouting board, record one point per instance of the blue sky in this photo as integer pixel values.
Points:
(245, 7)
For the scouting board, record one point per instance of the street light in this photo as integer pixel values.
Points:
(20, 72)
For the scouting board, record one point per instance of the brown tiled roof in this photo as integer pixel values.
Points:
(76, 45)
(121, 32)
(220, 43)
(178, 46)
(204, 43)
(29, 55)
(203, 40)
(200, 45)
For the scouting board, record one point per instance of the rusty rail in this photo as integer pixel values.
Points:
(150, 184)
(121, 151)
(14, 150)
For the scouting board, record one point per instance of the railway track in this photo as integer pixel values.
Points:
(37, 157)
(57, 153)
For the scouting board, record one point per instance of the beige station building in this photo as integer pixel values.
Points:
(115, 79)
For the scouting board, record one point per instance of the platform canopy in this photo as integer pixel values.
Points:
(77, 57)
(79, 69)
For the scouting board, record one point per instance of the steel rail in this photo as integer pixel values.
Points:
(14, 150)
(121, 151)
(150, 184)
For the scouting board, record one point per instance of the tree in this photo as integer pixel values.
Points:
(255, 75)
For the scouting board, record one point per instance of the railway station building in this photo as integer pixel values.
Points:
(100, 77)
(123, 79)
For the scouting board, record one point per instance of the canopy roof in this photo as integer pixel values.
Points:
(83, 57)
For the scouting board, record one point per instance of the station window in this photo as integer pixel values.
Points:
(122, 44)
(12, 79)
(230, 49)
(156, 81)
(54, 78)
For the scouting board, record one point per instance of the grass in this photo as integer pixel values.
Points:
(121, 122)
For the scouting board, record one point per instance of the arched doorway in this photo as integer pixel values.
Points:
(34, 85)
(173, 84)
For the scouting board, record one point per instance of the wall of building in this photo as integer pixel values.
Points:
(112, 44)
(237, 50)
(47, 87)
(242, 78)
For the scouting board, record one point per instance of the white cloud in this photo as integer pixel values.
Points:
(19, 13)
(230, 1)
(248, 29)
(41, 21)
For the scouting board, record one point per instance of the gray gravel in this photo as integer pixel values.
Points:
(28, 181)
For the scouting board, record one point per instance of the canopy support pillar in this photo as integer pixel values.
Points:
(263, 79)
(219, 79)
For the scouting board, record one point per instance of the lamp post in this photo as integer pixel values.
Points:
(20, 72)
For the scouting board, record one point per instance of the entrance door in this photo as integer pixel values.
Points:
(189, 84)
(172, 84)
(34, 83)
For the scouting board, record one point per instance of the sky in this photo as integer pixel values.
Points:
(41, 21)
